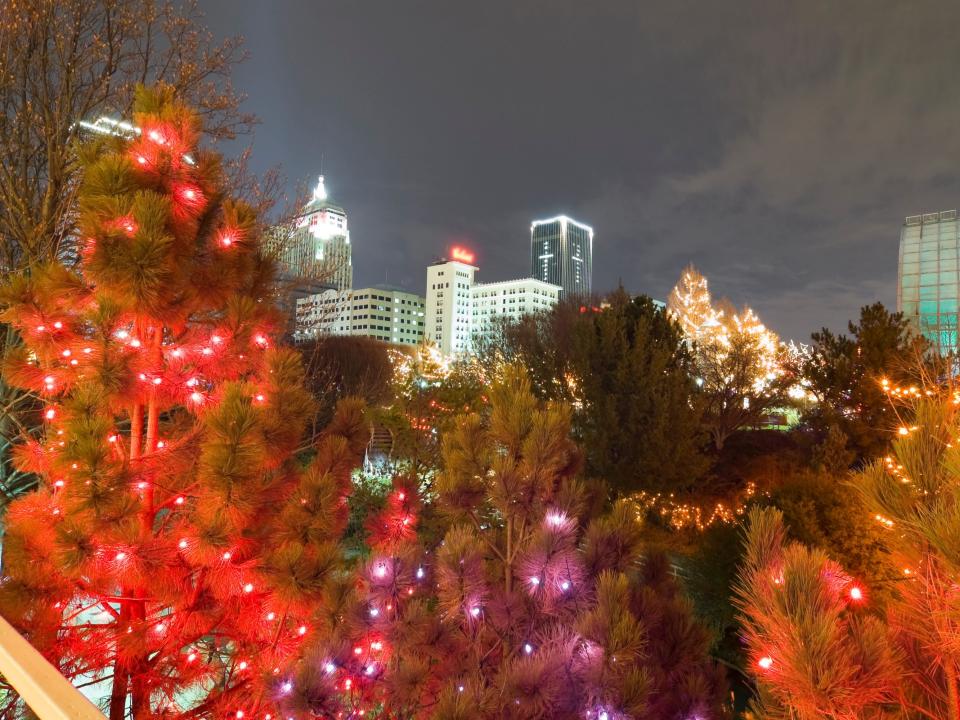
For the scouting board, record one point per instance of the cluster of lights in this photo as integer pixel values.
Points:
(911, 392)
(885, 521)
(681, 515)
(691, 305)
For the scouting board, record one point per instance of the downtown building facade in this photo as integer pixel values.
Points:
(313, 254)
(462, 314)
(317, 249)
(928, 278)
(561, 253)
(382, 312)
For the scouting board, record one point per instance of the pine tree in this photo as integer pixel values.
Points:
(819, 646)
(852, 376)
(176, 556)
(815, 655)
(526, 608)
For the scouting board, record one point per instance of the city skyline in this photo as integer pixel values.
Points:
(778, 154)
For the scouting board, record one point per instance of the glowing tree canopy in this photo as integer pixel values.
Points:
(176, 555)
(691, 305)
(525, 608)
(740, 363)
(819, 645)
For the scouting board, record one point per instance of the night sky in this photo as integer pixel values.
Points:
(777, 145)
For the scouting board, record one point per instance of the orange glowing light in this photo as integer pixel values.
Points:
(461, 254)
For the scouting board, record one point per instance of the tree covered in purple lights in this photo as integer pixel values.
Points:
(530, 606)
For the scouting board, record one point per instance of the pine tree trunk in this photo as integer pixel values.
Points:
(136, 430)
(118, 693)
(140, 699)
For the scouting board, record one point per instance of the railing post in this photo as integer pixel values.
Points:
(48, 693)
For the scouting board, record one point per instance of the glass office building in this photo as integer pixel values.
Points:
(561, 253)
(928, 281)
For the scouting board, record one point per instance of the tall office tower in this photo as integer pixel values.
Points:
(928, 283)
(448, 321)
(318, 250)
(561, 253)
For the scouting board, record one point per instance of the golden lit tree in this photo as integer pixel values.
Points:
(740, 363)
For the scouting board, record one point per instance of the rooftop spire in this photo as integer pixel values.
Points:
(320, 192)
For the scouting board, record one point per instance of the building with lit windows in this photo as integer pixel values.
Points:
(928, 284)
(561, 253)
(382, 312)
(449, 310)
(318, 249)
(460, 312)
(508, 300)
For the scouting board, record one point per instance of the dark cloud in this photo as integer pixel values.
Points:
(777, 145)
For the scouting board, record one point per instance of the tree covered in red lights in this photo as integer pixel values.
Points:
(824, 645)
(177, 554)
(527, 607)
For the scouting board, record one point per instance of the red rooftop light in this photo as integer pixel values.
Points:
(461, 254)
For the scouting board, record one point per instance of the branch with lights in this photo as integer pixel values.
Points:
(175, 556)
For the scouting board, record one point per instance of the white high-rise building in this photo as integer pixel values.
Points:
(449, 311)
(461, 312)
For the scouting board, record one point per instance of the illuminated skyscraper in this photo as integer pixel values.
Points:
(928, 281)
(318, 249)
(561, 253)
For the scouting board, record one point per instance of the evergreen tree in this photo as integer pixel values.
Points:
(628, 374)
(526, 608)
(815, 655)
(177, 553)
(640, 421)
(819, 645)
(846, 374)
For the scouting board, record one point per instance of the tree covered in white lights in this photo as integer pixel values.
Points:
(740, 364)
